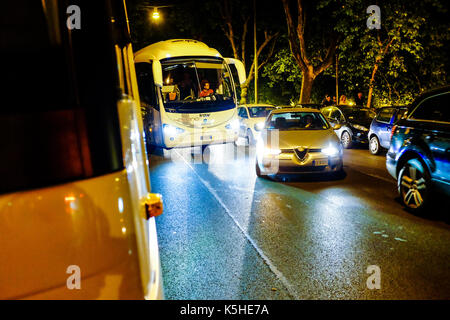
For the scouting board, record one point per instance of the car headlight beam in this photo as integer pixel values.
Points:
(330, 151)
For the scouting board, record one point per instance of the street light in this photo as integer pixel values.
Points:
(155, 15)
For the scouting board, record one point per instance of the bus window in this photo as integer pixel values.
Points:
(146, 86)
(188, 75)
(237, 85)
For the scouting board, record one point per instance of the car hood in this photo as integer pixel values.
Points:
(310, 139)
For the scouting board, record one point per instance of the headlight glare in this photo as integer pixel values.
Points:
(171, 130)
(330, 151)
(259, 126)
(272, 152)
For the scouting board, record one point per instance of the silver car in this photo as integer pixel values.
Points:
(298, 141)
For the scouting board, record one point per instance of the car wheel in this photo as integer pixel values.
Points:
(374, 145)
(346, 140)
(414, 185)
(258, 170)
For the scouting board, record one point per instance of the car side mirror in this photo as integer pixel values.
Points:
(337, 126)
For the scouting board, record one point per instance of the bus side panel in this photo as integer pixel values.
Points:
(46, 231)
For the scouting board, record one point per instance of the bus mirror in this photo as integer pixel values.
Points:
(157, 73)
(239, 67)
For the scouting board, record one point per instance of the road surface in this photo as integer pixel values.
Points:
(226, 234)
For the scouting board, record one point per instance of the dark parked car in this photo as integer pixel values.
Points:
(317, 106)
(381, 127)
(351, 124)
(419, 155)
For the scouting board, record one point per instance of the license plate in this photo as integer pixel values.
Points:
(320, 162)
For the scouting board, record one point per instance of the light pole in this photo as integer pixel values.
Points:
(255, 49)
(337, 78)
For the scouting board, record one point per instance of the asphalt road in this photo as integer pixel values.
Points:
(226, 234)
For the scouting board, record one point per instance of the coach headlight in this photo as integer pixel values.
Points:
(171, 130)
(233, 125)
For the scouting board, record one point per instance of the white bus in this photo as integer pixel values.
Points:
(188, 94)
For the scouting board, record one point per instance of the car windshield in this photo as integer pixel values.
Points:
(191, 80)
(260, 112)
(297, 121)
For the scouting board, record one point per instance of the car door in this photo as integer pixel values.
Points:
(384, 126)
(433, 116)
(243, 116)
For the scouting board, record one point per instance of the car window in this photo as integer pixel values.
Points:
(400, 114)
(260, 112)
(242, 113)
(359, 113)
(385, 115)
(336, 114)
(435, 108)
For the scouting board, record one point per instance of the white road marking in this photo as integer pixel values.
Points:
(292, 292)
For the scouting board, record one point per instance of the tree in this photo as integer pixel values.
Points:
(283, 76)
(398, 61)
(311, 63)
(238, 41)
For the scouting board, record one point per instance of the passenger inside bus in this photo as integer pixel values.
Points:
(170, 91)
(206, 90)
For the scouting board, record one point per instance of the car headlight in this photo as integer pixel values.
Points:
(233, 125)
(171, 130)
(330, 150)
(358, 127)
(259, 126)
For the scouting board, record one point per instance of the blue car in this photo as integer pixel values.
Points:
(381, 127)
(419, 154)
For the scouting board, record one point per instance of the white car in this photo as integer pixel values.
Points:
(251, 120)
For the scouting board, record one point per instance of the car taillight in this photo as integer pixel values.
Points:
(393, 130)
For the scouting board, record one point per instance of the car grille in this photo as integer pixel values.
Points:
(292, 150)
(302, 169)
(301, 154)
